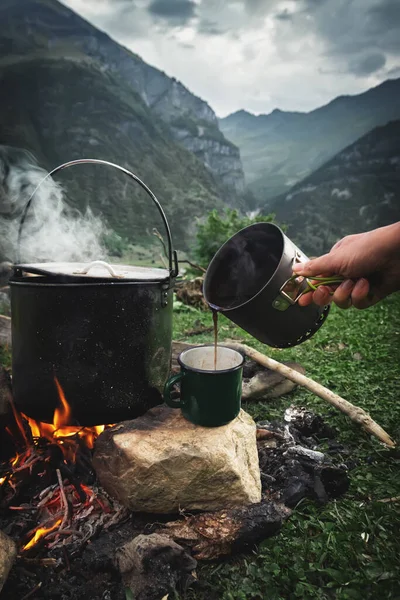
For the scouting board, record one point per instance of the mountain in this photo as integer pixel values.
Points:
(65, 109)
(358, 190)
(69, 91)
(48, 29)
(282, 148)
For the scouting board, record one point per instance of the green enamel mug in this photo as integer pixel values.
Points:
(209, 397)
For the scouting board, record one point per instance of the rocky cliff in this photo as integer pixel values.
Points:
(358, 190)
(65, 109)
(49, 29)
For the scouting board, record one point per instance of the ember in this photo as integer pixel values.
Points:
(51, 482)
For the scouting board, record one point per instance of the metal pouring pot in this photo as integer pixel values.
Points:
(102, 331)
(250, 281)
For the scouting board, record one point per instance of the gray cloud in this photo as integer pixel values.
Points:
(209, 27)
(365, 65)
(176, 11)
(254, 53)
(384, 20)
(394, 72)
(285, 15)
(386, 13)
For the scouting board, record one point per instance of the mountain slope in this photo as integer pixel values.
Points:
(358, 190)
(63, 110)
(48, 29)
(282, 148)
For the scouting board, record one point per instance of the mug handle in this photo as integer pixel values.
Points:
(167, 391)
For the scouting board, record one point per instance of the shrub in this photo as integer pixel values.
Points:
(217, 229)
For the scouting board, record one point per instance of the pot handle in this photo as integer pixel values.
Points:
(99, 263)
(172, 256)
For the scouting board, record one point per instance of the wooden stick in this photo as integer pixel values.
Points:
(394, 499)
(355, 413)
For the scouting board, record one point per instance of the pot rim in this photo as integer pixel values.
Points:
(85, 284)
(260, 291)
(76, 272)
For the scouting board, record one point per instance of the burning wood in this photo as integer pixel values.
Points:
(68, 509)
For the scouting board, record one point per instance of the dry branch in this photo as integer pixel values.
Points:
(355, 413)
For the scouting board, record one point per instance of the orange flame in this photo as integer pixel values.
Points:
(62, 415)
(15, 460)
(19, 423)
(68, 437)
(39, 533)
(61, 431)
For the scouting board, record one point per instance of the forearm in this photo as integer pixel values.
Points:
(391, 235)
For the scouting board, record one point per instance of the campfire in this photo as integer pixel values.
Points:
(74, 537)
(51, 482)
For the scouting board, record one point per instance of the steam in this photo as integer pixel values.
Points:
(53, 231)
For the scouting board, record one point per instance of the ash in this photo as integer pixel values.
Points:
(292, 465)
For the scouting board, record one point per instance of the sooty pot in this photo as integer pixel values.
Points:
(102, 332)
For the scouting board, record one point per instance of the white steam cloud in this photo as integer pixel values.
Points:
(53, 231)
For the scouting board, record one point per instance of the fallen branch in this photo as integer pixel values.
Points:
(387, 500)
(355, 413)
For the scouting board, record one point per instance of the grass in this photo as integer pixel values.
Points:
(350, 548)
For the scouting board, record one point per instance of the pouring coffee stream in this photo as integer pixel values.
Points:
(215, 321)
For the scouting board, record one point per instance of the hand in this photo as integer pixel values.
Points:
(369, 262)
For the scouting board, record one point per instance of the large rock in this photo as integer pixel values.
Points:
(162, 463)
(8, 552)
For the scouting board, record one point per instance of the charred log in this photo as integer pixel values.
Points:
(213, 535)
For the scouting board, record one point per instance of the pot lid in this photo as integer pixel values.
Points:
(96, 270)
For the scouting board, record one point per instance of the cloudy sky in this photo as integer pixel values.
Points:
(259, 54)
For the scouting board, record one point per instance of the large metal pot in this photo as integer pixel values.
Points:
(103, 332)
(250, 281)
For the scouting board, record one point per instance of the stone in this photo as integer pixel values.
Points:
(5, 331)
(154, 567)
(8, 553)
(162, 463)
(262, 384)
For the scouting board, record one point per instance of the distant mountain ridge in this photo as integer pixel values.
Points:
(48, 29)
(282, 148)
(357, 190)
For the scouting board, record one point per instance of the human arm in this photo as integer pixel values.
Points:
(369, 263)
